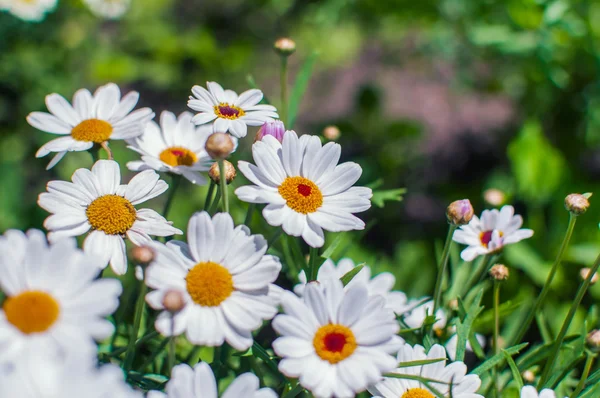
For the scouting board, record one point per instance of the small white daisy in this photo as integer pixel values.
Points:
(381, 284)
(229, 111)
(111, 9)
(336, 341)
(90, 120)
(177, 146)
(28, 10)
(54, 302)
(419, 309)
(225, 276)
(489, 234)
(96, 200)
(200, 382)
(41, 376)
(455, 375)
(531, 392)
(305, 189)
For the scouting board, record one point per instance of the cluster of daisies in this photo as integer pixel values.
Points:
(336, 338)
(36, 10)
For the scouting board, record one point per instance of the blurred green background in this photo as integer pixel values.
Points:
(446, 98)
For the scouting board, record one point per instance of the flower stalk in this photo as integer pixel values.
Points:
(223, 185)
(137, 321)
(175, 182)
(442, 268)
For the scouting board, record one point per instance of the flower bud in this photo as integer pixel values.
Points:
(592, 340)
(585, 272)
(142, 255)
(332, 133)
(459, 212)
(173, 301)
(219, 145)
(528, 376)
(453, 304)
(494, 196)
(576, 203)
(499, 272)
(215, 175)
(274, 128)
(285, 46)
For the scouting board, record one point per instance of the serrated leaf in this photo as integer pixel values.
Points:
(392, 195)
(498, 358)
(513, 369)
(463, 327)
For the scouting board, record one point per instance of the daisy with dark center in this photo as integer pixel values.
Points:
(96, 200)
(305, 189)
(336, 341)
(176, 146)
(226, 279)
(54, 302)
(449, 381)
(494, 230)
(229, 112)
(90, 120)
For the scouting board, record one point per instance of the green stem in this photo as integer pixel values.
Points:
(172, 346)
(138, 343)
(94, 152)
(495, 346)
(223, 185)
(293, 392)
(174, 185)
(159, 350)
(313, 266)
(275, 236)
(215, 202)
(248, 219)
(540, 299)
(563, 331)
(209, 195)
(284, 99)
(478, 272)
(589, 360)
(137, 320)
(442, 269)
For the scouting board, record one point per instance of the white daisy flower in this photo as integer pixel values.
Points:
(28, 10)
(531, 392)
(177, 146)
(54, 302)
(495, 229)
(381, 284)
(225, 276)
(336, 341)
(305, 189)
(96, 200)
(419, 309)
(455, 375)
(90, 120)
(200, 382)
(110, 9)
(229, 111)
(41, 376)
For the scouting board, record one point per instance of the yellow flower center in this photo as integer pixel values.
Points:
(209, 284)
(178, 156)
(417, 393)
(111, 214)
(31, 311)
(227, 111)
(92, 130)
(334, 343)
(301, 194)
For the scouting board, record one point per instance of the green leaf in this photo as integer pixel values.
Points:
(393, 195)
(334, 245)
(463, 327)
(299, 88)
(538, 173)
(419, 363)
(497, 359)
(348, 276)
(513, 369)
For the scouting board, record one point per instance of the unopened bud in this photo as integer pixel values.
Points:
(593, 340)
(453, 304)
(275, 128)
(219, 145)
(173, 301)
(215, 175)
(577, 204)
(460, 212)
(332, 133)
(494, 196)
(285, 46)
(528, 376)
(585, 273)
(499, 272)
(142, 255)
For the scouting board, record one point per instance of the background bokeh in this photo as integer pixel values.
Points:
(445, 98)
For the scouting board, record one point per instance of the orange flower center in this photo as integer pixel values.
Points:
(111, 214)
(178, 156)
(92, 130)
(209, 284)
(334, 343)
(301, 194)
(31, 311)
(417, 393)
(227, 111)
